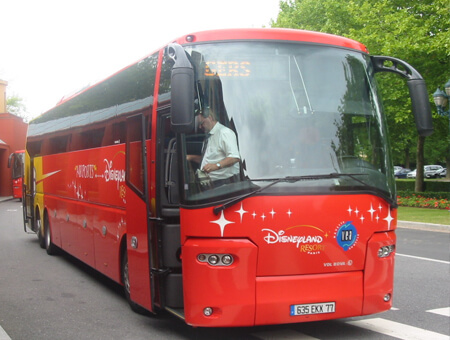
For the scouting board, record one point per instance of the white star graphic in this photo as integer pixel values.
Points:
(289, 212)
(254, 215)
(222, 222)
(389, 218)
(349, 210)
(379, 206)
(241, 211)
(263, 217)
(362, 219)
(377, 218)
(356, 211)
(272, 213)
(372, 210)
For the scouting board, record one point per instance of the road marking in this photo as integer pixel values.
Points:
(423, 258)
(284, 334)
(397, 330)
(441, 311)
(3, 335)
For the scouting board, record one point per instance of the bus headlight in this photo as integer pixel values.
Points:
(216, 259)
(213, 260)
(227, 260)
(385, 251)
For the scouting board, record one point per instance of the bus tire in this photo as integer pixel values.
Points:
(126, 285)
(39, 230)
(50, 248)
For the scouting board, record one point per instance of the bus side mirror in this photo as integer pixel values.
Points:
(417, 90)
(420, 106)
(182, 90)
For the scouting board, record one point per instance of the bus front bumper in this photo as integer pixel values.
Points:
(231, 295)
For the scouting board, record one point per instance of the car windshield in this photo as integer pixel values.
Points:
(294, 110)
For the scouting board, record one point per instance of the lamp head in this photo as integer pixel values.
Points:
(440, 98)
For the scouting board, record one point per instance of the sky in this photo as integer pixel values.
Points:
(51, 48)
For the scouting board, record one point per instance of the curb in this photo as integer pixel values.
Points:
(424, 226)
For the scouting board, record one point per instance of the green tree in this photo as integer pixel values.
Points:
(15, 105)
(413, 30)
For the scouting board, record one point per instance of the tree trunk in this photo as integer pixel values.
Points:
(407, 158)
(447, 156)
(420, 164)
(448, 168)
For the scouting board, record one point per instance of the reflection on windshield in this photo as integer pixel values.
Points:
(296, 110)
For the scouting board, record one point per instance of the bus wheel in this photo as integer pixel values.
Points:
(39, 230)
(126, 286)
(49, 246)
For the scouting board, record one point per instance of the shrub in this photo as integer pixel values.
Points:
(429, 185)
(424, 201)
(437, 195)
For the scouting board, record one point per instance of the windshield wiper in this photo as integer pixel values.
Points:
(292, 179)
(393, 202)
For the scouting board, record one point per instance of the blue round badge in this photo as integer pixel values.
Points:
(346, 235)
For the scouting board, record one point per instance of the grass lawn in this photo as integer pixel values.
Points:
(438, 216)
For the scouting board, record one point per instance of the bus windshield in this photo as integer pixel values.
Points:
(303, 110)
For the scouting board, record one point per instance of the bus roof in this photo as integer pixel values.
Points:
(280, 34)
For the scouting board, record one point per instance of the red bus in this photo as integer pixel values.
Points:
(15, 162)
(304, 229)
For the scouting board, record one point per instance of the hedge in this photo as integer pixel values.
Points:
(429, 186)
(436, 195)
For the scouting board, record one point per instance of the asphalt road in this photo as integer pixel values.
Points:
(57, 297)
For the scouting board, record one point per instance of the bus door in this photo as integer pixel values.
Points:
(138, 248)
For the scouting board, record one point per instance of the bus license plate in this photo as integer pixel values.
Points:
(313, 308)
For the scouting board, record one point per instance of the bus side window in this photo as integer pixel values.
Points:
(92, 138)
(57, 145)
(119, 133)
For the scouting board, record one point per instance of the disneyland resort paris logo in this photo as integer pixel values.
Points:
(309, 243)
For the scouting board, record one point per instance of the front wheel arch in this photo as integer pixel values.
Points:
(126, 284)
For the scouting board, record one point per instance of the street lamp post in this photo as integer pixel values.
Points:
(441, 99)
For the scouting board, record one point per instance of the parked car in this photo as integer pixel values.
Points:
(397, 168)
(411, 174)
(440, 173)
(402, 173)
(430, 170)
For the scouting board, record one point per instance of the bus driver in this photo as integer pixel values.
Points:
(220, 154)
